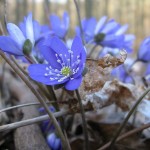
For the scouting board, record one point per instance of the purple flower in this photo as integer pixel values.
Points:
(46, 125)
(65, 66)
(57, 26)
(54, 142)
(49, 131)
(122, 72)
(144, 50)
(21, 40)
(106, 33)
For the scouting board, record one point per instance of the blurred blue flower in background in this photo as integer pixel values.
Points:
(121, 72)
(49, 131)
(106, 33)
(21, 40)
(65, 66)
(57, 26)
(54, 142)
(144, 50)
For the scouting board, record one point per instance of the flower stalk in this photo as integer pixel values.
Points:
(84, 124)
(38, 96)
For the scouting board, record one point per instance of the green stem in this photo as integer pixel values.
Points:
(127, 118)
(79, 19)
(84, 124)
(38, 96)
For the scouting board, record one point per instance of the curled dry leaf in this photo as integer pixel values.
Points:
(123, 95)
(99, 72)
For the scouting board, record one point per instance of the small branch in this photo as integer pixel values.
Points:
(127, 118)
(38, 96)
(79, 19)
(23, 105)
(126, 135)
(31, 121)
(84, 124)
(16, 63)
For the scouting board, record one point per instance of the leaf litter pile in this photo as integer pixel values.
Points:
(106, 100)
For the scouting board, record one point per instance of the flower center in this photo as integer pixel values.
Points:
(66, 71)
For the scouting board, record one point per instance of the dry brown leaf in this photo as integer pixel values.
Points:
(99, 72)
(123, 95)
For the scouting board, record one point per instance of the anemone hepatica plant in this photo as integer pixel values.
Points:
(143, 52)
(106, 33)
(21, 40)
(60, 62)
(57, 26)
(65, 66)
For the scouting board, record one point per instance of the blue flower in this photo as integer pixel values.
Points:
(49, 131)
(54, 142)
(107, 34)
(88, 26)
(21, 38)
(144, 50)
(57, 26)
(65, 66)
(46, 125)
(122, 72)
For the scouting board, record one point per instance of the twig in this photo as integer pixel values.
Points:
(31, 121)
(126, 135)
(23, 105)
(84, 124)
(79, 19)
(127, 118)
(15, 62)
(53, 119)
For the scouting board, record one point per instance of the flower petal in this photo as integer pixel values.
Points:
(113, 41)
(16, 34)
(122, 30)
(77, 46)
(54, 20)
(29, 28)
(51, 139)
(8, 45)
(100, 24)
(73, 84)
(143, 53)
(37, 72)
(37, 30)
(49, 55)
(66, 20)
(111, 25)
(57, 45)
(90, 25)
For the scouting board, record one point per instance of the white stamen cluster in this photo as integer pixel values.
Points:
(68, 68)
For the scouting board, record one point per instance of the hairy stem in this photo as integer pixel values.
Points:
(23, 105)
(38, 96)
(41, 87)
(127, 118)
(22, 123)
(79, 19)
(84, 124)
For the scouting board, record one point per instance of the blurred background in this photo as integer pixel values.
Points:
(133, 12)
